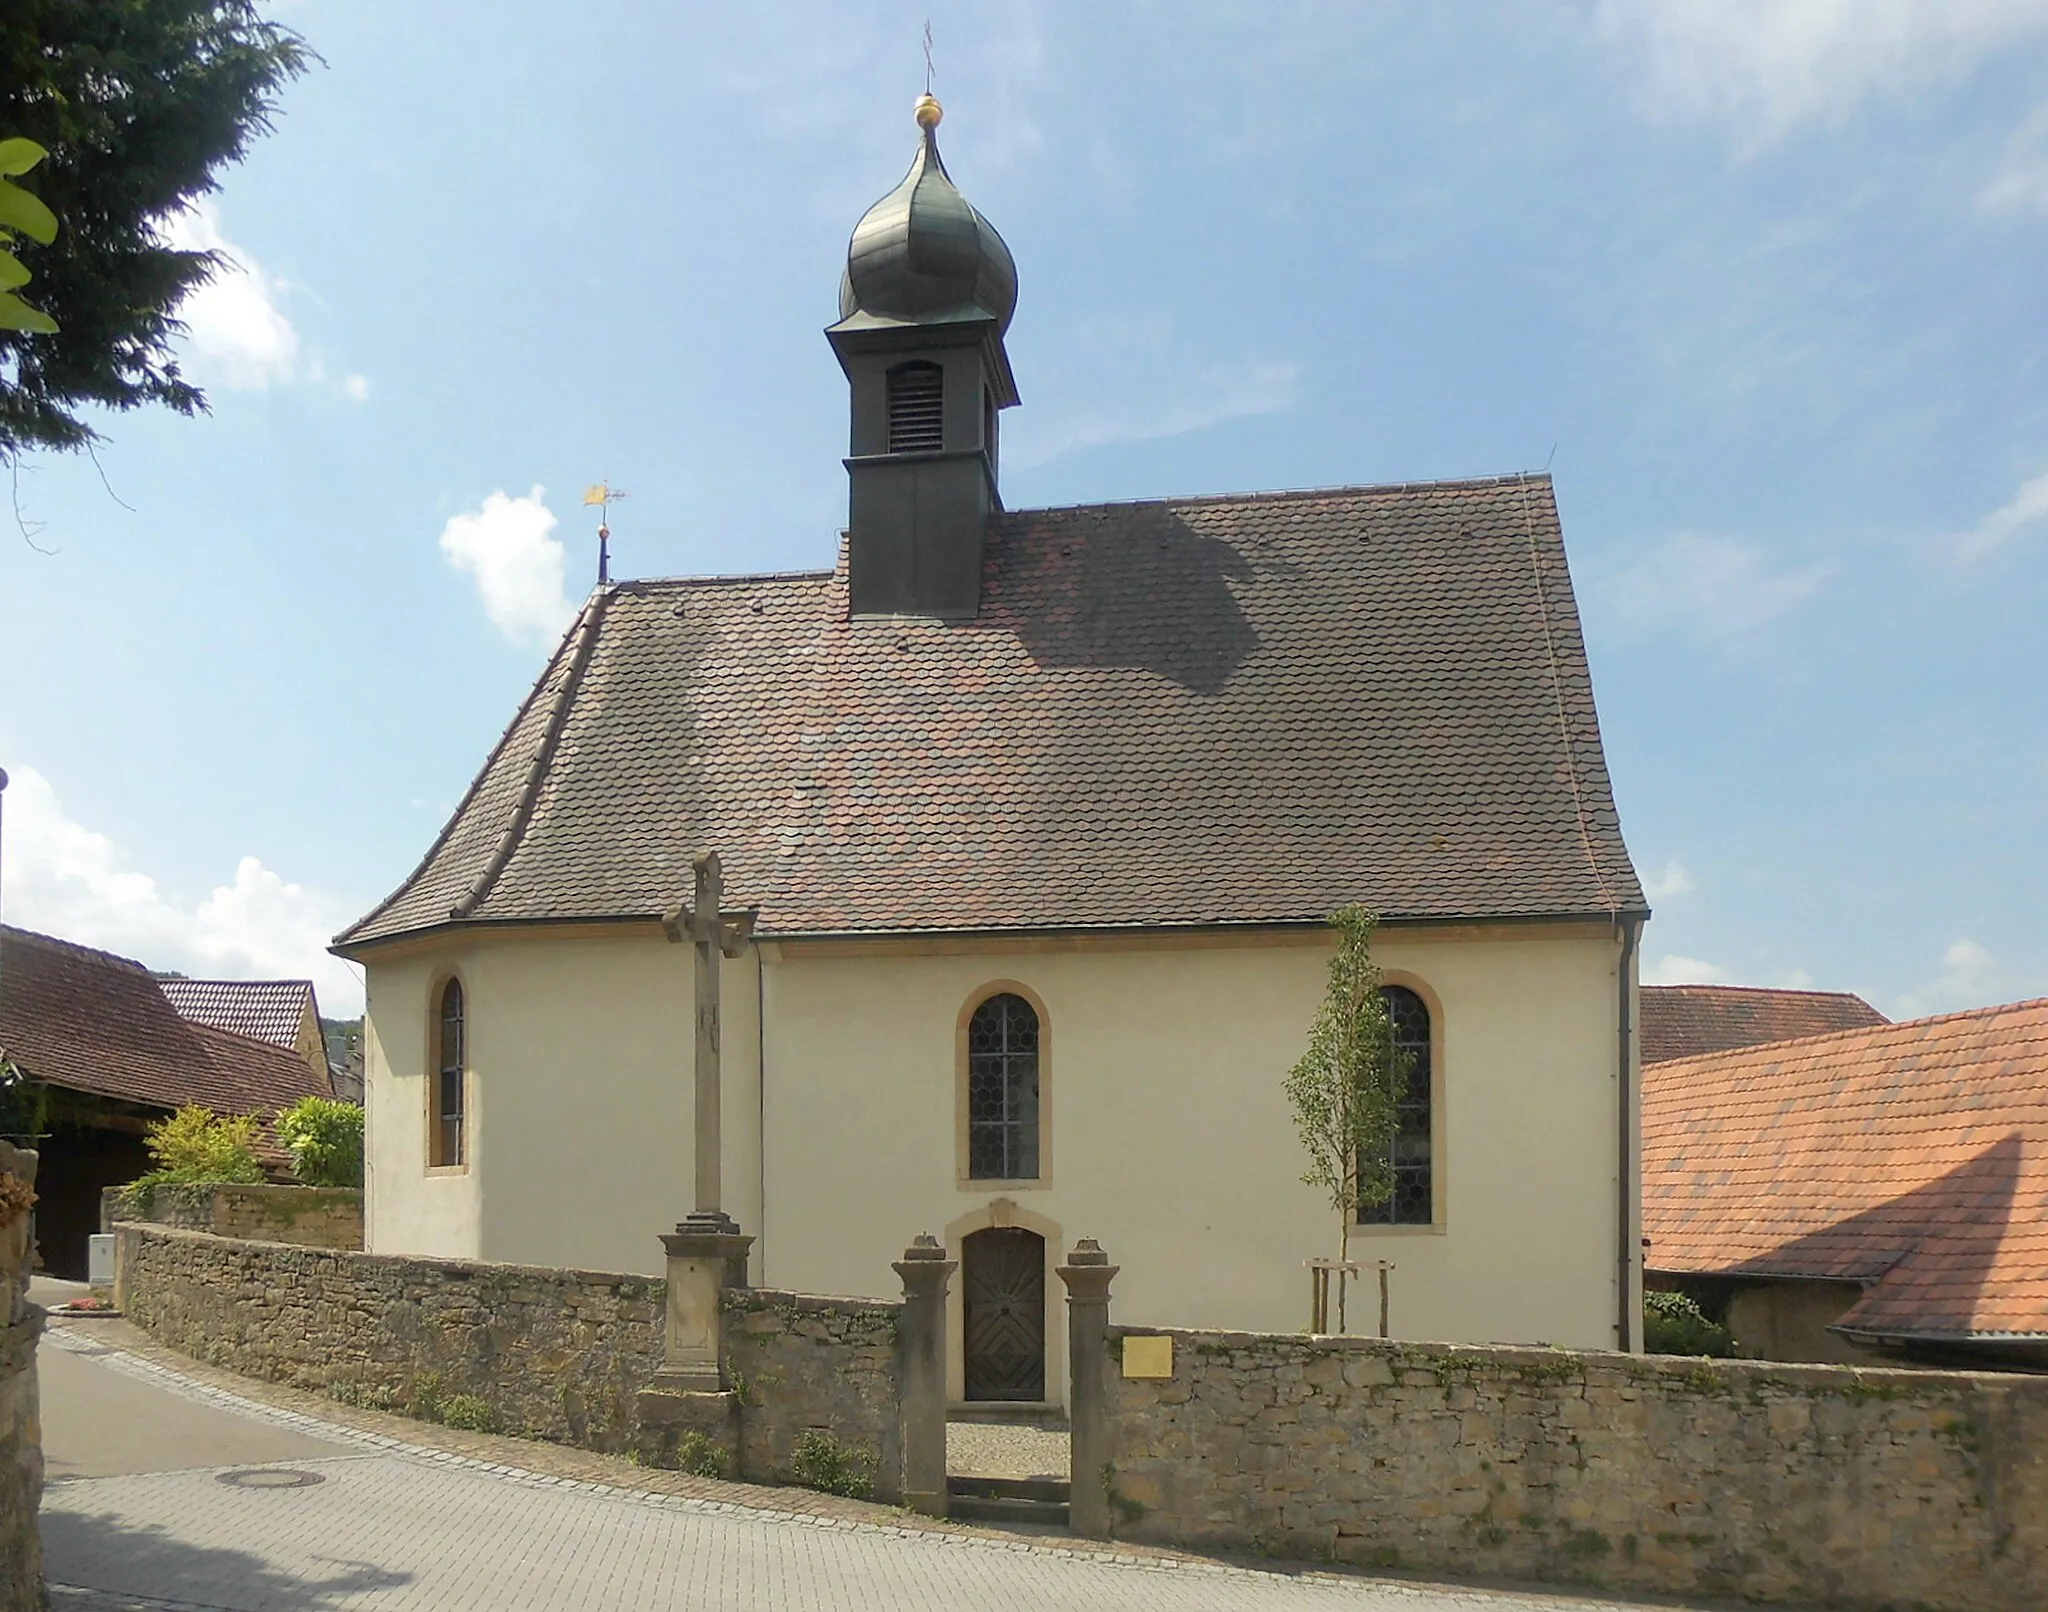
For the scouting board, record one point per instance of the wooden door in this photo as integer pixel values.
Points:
(1003, 1292)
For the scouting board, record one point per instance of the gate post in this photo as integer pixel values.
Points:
(925, 1271)
(1087, 1274)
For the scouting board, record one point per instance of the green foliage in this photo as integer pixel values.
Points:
(325, 1140)
(21, 214)
(820, 1461)
(369, 1396)
(1345, 1089)
(1674, 1325)
(424, 1396)
(196, 1146)
(140, 104)
(468, 1412)
(699, 1456)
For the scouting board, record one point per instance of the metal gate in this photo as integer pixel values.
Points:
(1003, 1292)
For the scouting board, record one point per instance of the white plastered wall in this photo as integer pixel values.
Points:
(581, 1071)
(1171, 1142)
(1168, 1137)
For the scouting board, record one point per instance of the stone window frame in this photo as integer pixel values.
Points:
(437, 994)
(965, 1181)
(1439, 1181)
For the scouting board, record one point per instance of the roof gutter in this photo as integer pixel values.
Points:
(1627, 1238)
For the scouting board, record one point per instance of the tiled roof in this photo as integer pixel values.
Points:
(269, 1010)
(1910, 1157)
(1683, 1021)
(1246, 710)
(88, 1021)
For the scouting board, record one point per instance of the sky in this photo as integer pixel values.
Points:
(1759, 281)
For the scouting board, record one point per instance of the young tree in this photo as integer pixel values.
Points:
(1345, 1089)
(139, 103)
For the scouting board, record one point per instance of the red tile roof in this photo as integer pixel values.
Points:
(1683, 1021)
(1910, 1157)
(1231, 710)
(268, 1010)
(88, 1021)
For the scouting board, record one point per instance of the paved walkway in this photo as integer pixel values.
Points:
(177, 1491)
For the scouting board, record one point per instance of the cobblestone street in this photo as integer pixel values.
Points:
(303, 1512)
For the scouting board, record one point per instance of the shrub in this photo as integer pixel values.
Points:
(197, 1146)
(469, 1413)
(1674, 1325)
(820, 1461)
(325, 1139)
(700, 1456)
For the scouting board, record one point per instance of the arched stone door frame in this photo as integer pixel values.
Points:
(1000, 1214)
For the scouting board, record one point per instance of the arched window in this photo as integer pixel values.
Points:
(917, 408)
(445, 1146)
(1414, 1199)
(1002, 1090)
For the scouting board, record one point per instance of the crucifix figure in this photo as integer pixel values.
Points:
(715, 933)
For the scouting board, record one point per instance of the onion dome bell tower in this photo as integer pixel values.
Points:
(927, 295)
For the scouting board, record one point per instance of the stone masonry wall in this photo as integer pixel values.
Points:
(21, 1433)
(1817, 1484)
(554, 1354)
(314, 1217)
(801, 1363)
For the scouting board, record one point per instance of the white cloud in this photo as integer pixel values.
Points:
(1969, 977)
(1676, 970)
(68, 880)
(1766, 66)
(1712, 588)
(2021, 183)
(238, 336)
(356, 388)
(1671, 880)
(2026, 511)
(519, 568)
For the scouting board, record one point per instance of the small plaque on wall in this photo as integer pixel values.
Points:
(1148, 1357)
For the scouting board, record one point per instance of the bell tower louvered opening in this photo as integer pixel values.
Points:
(917, 408)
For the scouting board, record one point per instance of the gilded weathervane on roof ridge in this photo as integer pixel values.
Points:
(603, 495)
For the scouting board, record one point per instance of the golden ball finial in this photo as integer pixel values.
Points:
(928, 111)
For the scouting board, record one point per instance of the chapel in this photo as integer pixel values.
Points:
(978, 884)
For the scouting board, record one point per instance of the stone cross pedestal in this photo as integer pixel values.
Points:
(1088, 1274)
(925, 1271)
(702, 1264)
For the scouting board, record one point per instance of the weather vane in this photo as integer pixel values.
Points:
(603, 495)
(927, 55)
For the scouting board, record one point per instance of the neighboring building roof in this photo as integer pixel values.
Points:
(1192, 712)
(1910, 1157)
(269, 1010)
(88, 1021)
(1684, 1021)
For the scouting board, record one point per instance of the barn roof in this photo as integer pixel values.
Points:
(1683, 1021)
(1912, 1158)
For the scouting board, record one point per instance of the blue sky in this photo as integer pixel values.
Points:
(1759, 279)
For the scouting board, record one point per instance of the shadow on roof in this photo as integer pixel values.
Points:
(1142, 590)
(1933, 1251)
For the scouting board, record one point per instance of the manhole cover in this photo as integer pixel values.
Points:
(270, 1477)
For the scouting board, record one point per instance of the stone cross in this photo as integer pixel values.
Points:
(715, 933)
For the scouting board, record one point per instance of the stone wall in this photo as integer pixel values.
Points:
(313, 1217)
(1817, 1484)
(21, 1434)
(551, 1354)
(801, 1363)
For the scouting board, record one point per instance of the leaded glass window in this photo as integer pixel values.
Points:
(448, 1083)
(1002, 1090)
(1414, 1200)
